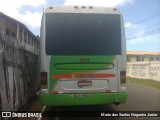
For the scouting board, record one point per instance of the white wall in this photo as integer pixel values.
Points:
(145, 70)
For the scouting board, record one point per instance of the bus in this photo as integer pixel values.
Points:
(82, 56)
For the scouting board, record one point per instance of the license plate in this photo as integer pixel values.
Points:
(80, 95)
(85, 83)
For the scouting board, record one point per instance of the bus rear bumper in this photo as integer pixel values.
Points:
(76, 99)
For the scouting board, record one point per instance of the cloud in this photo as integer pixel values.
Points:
(142, 38)
(129, 25)
(108, 3)
(139, 32)
(13, 9)
(31, 19)
(136, 41)
(135, 34)
(17, 9)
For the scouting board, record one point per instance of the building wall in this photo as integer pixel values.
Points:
(144, 70)
(133, 56)
(15, 30)
(19, 63)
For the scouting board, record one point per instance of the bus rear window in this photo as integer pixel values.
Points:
(82, 34)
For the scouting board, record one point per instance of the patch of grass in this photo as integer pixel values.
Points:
(147, 82)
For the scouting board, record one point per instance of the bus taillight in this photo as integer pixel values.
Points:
(55, 92)
(43, 79)
(108, 91)
(123, 76)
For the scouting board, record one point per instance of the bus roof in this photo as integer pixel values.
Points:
(81, 9)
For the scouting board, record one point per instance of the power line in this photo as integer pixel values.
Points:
(151, 25)
(146, 28)
(144, 20)
(148, 31)
(144, 35)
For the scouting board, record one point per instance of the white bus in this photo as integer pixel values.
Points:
(82, 56)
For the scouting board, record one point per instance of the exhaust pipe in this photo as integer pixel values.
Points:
(116, 102)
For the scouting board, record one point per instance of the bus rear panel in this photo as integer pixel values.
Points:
(82, 57)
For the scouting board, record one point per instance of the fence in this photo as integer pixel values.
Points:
(18, 74)
(145, 70)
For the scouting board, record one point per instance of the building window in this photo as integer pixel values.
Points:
(37, 45)
(25, 37)
(13, 35)
(29, 40)
(128, 58)
(139, 58)
(32, 42)
(8, 32)
(20, 36)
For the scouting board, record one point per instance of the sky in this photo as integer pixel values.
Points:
(141, 18)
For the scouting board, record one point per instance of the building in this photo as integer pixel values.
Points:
(19, 64)
(14, 30)
(133, 56)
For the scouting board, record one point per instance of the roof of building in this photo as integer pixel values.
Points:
(15, 22)
(142, 53)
